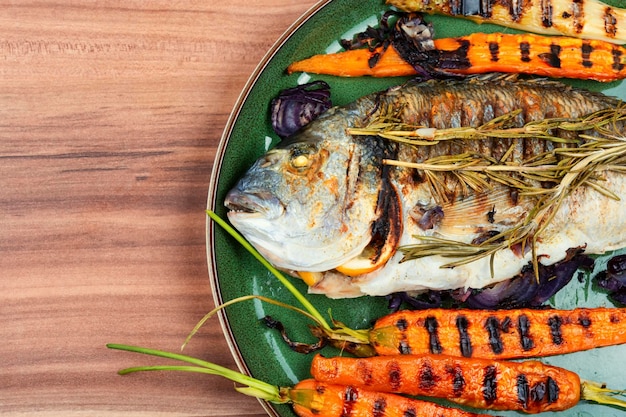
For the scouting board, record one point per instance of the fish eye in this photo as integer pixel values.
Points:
(302, 157)
(300, 161)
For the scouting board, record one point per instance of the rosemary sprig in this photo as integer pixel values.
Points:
(548, 178)
(389, 126)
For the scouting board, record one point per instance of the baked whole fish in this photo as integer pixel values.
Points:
(324, 205)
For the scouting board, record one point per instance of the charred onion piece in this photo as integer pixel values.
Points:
(525, 291)
(520, 291)
(614, 279)
(430, 299)
(616, 268)
(296, 107)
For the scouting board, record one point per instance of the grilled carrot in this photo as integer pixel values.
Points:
(500, 334)
(308, 398)
(355, 63)
(529, 386)
(317, 399)
(590, 19)
(559, 57)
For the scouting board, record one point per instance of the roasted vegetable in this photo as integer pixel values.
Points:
(526, 289)
(530, 386)
(590, 19)
(297, 106)
(614, 279)
(478, 53)
(309, 398)
(317, 399)
(500, 334)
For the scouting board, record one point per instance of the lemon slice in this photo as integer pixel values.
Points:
(310, 278)
(363, 263)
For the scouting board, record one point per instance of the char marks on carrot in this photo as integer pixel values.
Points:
(501, 334)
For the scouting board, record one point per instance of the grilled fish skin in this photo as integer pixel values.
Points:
(323, 200)
(591, 19)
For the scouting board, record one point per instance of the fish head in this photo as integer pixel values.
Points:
(301, 204)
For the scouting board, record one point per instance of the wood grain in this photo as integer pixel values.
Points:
(110, 115)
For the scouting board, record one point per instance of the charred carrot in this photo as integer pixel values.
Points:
(355, 63)
(309, 398)
(499, 334)
(530, 386)
(477, 53)
(591, 19)
(317, 399)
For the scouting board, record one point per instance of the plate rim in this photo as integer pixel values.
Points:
(212, 190)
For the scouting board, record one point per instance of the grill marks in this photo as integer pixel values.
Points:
(493, 335)
(490, 384)
(433, 337)
(574, 17)
(379, 407)
(586, 49)
(578, 16)
(480, 383)
(427, 379)
(494, 51)
(465, 341)
(610, 22)
(350, 396)
(555, 329)
(484, 8)
(523, 325)
(524, 50)
(394, 376)
(546, 13)
(552, 58)
(458, 380)
(617, 60)
(403, 346)
(493, 328)
(523, 390)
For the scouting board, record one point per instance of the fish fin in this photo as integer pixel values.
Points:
(496, 210)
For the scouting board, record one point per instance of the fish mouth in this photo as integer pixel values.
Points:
(262, 204)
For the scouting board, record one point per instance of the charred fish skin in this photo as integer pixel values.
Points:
(326, 190)
(590, 19)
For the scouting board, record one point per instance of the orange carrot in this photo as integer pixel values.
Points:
(530, 386)
(499, 334)
(308, 398)
(317, 399)
(355, 63)
(560, 57)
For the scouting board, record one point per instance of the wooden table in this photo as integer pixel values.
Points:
(110, 115)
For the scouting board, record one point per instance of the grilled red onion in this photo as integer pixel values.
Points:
(525, 290)
(614, 279)
(616, 268)
(520, 291)
(296, 107)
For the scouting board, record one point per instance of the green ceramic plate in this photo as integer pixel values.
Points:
(248, 134)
